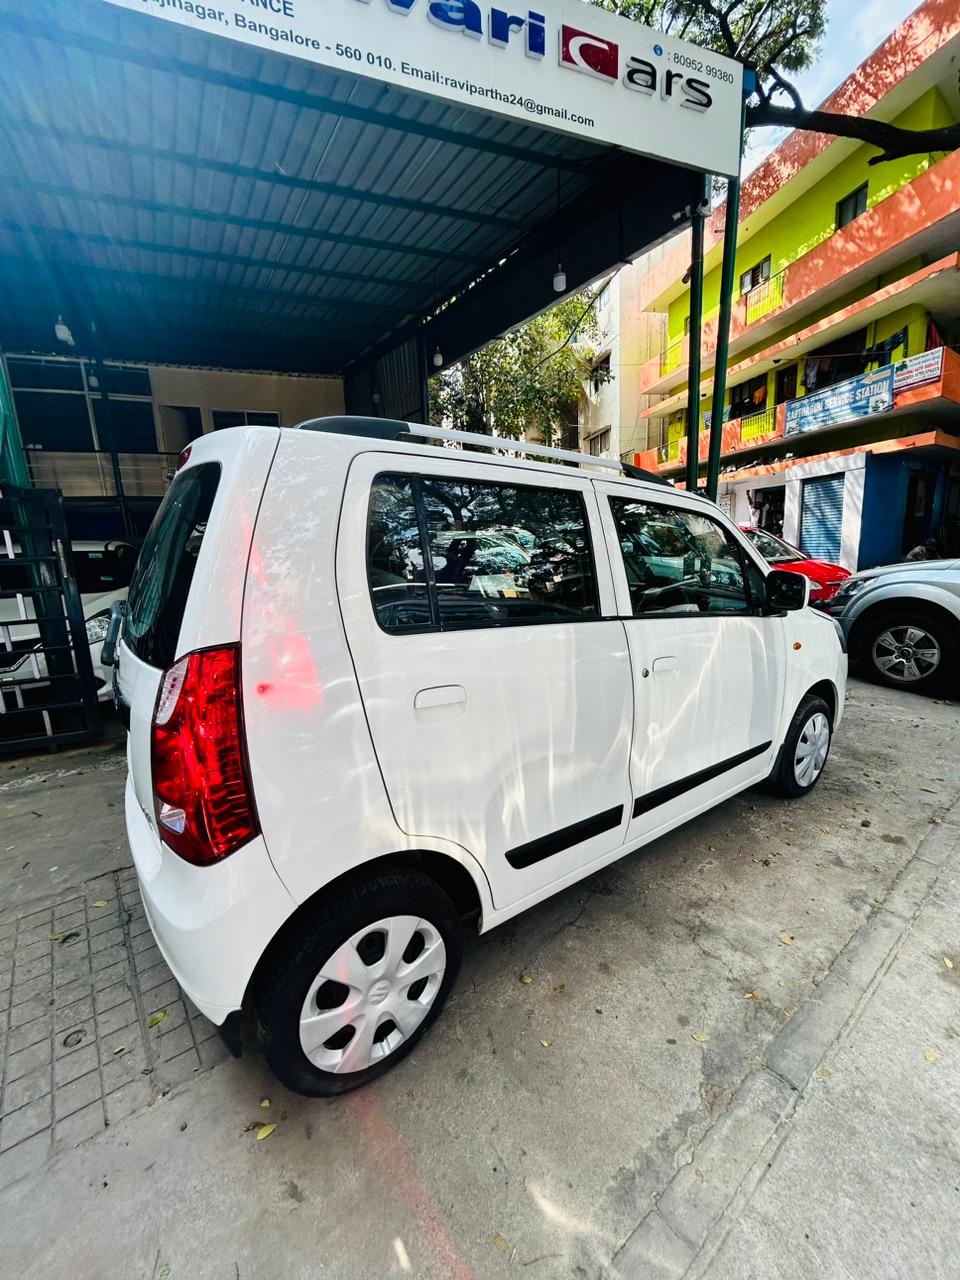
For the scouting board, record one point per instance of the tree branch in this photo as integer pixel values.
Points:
(892, 141)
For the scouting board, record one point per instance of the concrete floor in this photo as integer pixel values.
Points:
(720, 1069)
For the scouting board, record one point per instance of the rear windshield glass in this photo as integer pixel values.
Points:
(161, 582)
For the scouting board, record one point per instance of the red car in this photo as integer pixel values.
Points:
(825, 579)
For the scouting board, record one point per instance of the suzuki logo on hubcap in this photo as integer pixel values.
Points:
(379, 992)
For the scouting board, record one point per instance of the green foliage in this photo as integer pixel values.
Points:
(771, 35)
(528, 382)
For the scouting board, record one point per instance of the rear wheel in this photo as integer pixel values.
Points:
(805, 749)
(358, 982)
(909, 650)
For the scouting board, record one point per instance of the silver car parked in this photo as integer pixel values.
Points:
(901, 622)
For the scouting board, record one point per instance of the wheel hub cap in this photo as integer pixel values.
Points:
(812, 748)
(372, 994)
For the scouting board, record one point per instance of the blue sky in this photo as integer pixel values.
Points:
(854, 30)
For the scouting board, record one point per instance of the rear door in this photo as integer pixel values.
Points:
(187, 589)
(497, 691)
(708, 666)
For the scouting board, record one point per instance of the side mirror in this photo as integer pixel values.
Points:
(108, 652)
(787, 591)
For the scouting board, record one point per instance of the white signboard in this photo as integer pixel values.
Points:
(559, 63)
(917, 370)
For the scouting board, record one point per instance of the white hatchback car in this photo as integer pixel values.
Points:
(102, 572)
(363, 716)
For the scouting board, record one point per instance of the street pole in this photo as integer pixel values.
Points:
(698, 219)
(727, 282)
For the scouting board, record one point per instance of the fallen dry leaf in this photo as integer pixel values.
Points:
(121, 1048)
(101, 902)
(787, 939)
(929, 790)
(699, 1037)
(156, 1018)
(824, 1073)
(948, 962)
(56, 937)
(501, 1242)
(526, 979)
(264, 1102)
(264, 1131)
(545, 1043)
(752, 995)
(931, 1055)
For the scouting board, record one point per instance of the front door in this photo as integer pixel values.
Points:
(498, 695)
(708, 667)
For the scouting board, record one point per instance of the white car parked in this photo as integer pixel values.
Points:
(356, 726)
(103, 571)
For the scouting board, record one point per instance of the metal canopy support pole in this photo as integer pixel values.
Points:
(698, 218)
(727, 282)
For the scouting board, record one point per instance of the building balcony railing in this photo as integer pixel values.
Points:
(915, 219)
(923, 379)
(764, 299)
(754, 425)
(673, 356)
(90, 475)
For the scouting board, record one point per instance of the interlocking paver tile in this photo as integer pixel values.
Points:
(80, 983)
(27, 1060)
(23, 1035)
(78, 1093)
(29, 1088)
(24, 1122)
(119, 1016)
(76, 1064)
(82, 1124)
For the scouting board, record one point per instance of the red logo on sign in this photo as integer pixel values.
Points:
(583, 52)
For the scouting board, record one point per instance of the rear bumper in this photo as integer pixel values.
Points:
(212, 924)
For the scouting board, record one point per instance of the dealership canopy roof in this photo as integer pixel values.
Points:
(181, 197)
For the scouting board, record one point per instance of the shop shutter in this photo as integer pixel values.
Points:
(822, 517)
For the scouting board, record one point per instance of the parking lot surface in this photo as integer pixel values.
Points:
(737, 1055)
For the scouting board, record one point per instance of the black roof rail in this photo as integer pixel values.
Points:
(395, 429)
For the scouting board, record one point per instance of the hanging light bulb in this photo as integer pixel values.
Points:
(438, 359)
(560, 279)
(62, 332)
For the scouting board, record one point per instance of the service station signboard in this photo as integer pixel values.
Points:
(561, 64)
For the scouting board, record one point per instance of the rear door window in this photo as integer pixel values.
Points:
(161, 583)
(467, 553)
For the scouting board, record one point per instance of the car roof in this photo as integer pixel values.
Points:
(388, 435)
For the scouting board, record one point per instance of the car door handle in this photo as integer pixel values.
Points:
(665, 667)
(452, 696)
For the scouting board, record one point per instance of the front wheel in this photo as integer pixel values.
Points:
(357, 982)
(805, 749)
(909, 651)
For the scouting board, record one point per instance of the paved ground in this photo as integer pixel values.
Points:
(738, 1057)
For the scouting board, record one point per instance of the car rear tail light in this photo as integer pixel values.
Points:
(201, 784)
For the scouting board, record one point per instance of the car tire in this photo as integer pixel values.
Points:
(927, 642)
(356, 982)
(806, 746)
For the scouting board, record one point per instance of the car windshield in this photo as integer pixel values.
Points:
(774, 550)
